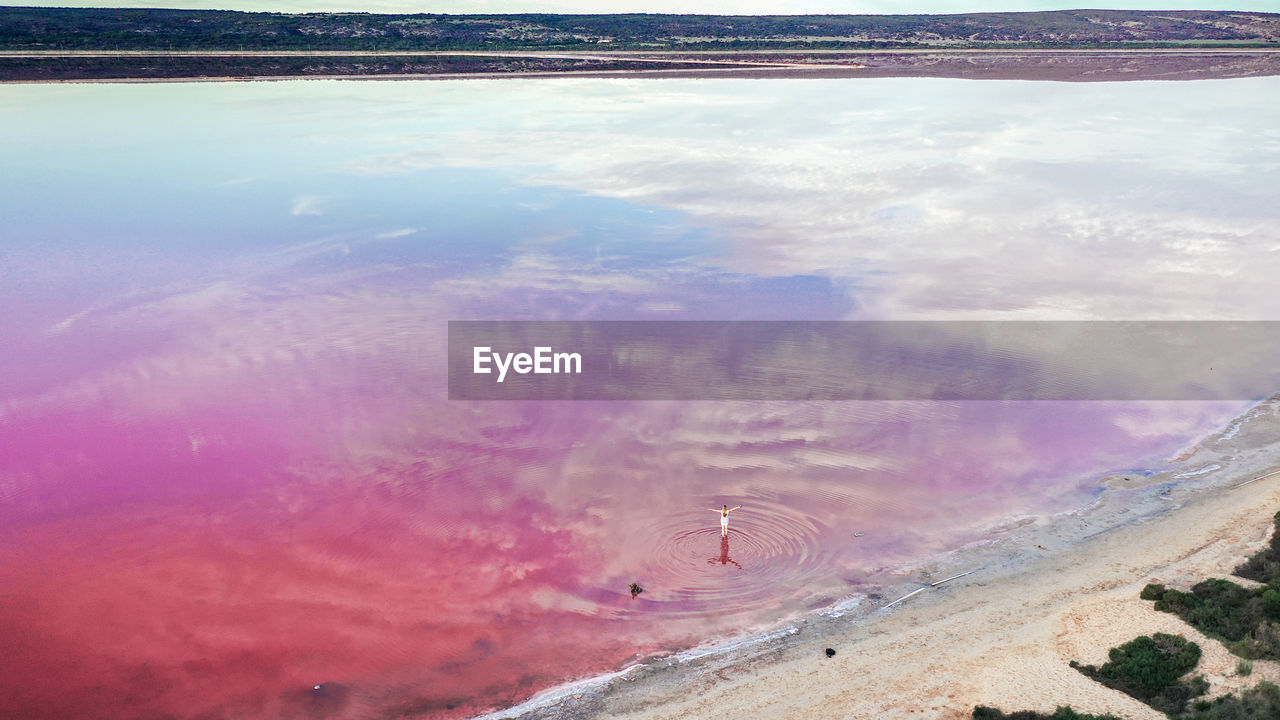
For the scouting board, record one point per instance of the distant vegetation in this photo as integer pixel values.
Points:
(1149, 668)
(189, 66)
(148, 29)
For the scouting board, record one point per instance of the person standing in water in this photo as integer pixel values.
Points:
(724, 518)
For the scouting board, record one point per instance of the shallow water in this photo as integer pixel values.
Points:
(231, 484)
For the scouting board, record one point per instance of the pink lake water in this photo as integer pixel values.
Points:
(232, 484)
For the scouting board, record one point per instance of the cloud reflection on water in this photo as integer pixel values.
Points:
(225, 437)
(923, 195)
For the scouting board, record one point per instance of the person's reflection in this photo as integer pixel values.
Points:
(724, 558)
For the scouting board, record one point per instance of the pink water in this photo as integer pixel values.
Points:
(202, 554)
(231, 484)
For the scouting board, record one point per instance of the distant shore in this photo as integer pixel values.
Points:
(52, 44)
(167, 28)
(1046, 591)
(1108, 65)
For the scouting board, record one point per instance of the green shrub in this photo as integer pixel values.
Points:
(1264, 566)
(1149, 668)
(1246, 620)
(1262, 643)
(1062, 713)
(1151, 663)
(1151, 592)
(1258, 703)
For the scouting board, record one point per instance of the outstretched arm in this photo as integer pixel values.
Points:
(734, 508)
(715, 509)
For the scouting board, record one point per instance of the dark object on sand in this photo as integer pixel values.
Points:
(831, 652)
(636, 589)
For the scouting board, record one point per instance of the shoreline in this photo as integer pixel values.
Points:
(1206, 520)
(1057, 65)
(663, 55)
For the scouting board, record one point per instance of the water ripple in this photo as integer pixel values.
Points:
(769, 553)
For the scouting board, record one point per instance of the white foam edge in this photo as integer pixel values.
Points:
(843, 607)
(1200, 471)
(702, 651)
(553, 695)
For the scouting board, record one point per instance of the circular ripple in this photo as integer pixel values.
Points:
(769, 553)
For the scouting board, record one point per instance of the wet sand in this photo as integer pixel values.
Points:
(1046, 591)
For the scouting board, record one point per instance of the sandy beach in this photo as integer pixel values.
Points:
(1047, 592)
